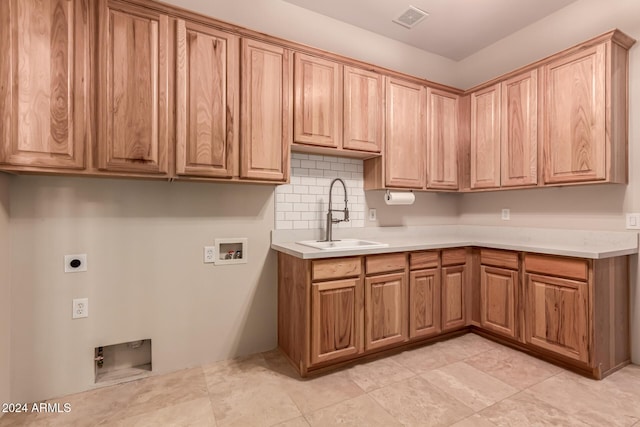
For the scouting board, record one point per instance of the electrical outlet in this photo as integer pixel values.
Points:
(633, 221)
(80, 308)
(75, 263)
(209, 254)
(506, 214)
(373, 214)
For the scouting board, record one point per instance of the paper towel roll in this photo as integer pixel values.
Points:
(394, 198)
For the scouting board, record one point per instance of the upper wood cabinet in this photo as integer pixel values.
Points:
(575, 140)
(44, 83)
(207, 100)
(485, 138)
(363, 110)
(585, 113)
(133, 91)
(405, 136)
(442, 140)
(318, 101)
(519, 130)
(266, 117)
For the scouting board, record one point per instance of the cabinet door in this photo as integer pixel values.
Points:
(336, 319)
(424, 303)
(386, 310)
(574, 117)
(405, 141)
(520, 130)
(485, 138)
(442, 140)
(266, 118)
(318, 101)
(207, 95)
(556, 315)
(363, 110)
(133, 105)
(454, 280)
(44, 70)
(498, 288)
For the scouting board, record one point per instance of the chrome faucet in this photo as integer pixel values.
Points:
(330, 220)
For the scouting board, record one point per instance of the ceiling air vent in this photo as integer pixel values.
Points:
(411, 17)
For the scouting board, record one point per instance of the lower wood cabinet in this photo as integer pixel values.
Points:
(454, 283)
(424, 303)
(556, 315)
(336, 319)
(386, 310)
(570, 311)
(497, 300)
(499, 286)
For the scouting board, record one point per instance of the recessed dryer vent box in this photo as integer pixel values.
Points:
(122, 362)
(231, 251)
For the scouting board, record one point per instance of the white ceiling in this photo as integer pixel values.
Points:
(454, 29)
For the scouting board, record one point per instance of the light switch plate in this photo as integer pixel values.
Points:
(506, 214)
(633, 221)
(373, 214)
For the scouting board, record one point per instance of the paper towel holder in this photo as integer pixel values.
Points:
(406, 197)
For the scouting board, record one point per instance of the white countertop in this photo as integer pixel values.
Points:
(574, 243)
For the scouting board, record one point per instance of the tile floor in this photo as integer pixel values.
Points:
(464, 382)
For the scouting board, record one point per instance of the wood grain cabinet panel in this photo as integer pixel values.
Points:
(44, 70)
(405, 136)
(575, 147)
(386, 310)
(318, 101)
(133, 109)
(336, 319)
(442, 140)
(424, 303)
(519, 130)
(556, 315)
(207, 95)
(454, 281)
(485, 138)
(267, 122)
(363, 110)
(498, 291)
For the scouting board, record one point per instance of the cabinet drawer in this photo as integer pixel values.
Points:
(335, 268)
(454, 256)
(557, 266)
(385, 263)
(504, 259)
(421, 260)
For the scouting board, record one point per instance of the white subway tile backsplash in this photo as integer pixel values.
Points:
(308, 181)
(303, 203)
(292, 216)
(301, 225)
(292, 198)
(284, 225)
(308, 164)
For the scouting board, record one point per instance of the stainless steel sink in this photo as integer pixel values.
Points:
(344, 244)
